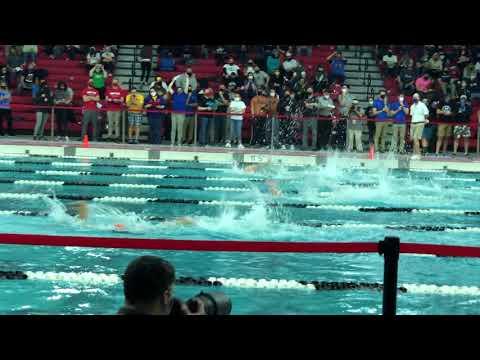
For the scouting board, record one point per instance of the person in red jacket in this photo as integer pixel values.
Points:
(115, 100)
(90, 97)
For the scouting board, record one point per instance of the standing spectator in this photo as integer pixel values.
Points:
(179, 107)
(231, 72)
(273, 62)
(90, 97)
(63, 96)
(423, 85)
(250, 68)
(98, 75)
(43, 98)
(189, 125)
(166, 62)
(29, 53)
(390, 60)
(406, 61)
(155, 102)
(93, 58)
(134, 103)
(289, 65)
(429, 130)
(406, 80)
(325, 108)
(276, 82)
(146, 63)
(28, 79)
(463, 59)
(236, 108)
(220, 54)
(159, 85)
(115, 100)
(221, 123)
(398, 110)
(108, 60)
(261, 77)
(272, 121)
(419, 113)
(187, 79)
(289, 107)
(206, 103)
(469, 72)
(354, 127)
(463, 112)
(5, 108)
(14, 65)
(337, 67)
(445, 116)
(381, 121)
(320, 81)
(309, 120)
(250, 89)
(345, 100)
(370, 112)
(258, 106)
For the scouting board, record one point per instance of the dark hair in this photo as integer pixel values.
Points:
(60, 83)
(146, 278)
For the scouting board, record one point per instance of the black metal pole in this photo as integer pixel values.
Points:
(390, 249)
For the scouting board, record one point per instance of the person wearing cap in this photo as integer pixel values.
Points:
(134, 102)
(381, 120)
(43, 98)
(398, 110)
(354, 126)
(115, 100)
(419, 113)
(463, 110)
(206, 103)
(90, 97)
(325, 108)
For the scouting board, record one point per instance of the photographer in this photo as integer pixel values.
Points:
(148, 285)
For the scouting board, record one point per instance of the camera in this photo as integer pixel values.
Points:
(215, 303)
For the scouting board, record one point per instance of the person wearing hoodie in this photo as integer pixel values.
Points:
(43, 98)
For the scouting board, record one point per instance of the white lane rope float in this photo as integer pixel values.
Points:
(126, 199)
(90, 278)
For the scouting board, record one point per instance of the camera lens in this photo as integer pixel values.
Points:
(215, 303)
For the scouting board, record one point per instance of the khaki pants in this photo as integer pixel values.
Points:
(357, 136)
(188, 128)
(177, 128)
(398, 131)
(416, 131)
(380, 135)
(113, 118)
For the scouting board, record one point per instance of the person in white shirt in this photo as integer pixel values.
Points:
(231, 72)
(237, 109)
(419, 113)
(391, 62)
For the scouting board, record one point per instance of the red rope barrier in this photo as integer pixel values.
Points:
(233, 246)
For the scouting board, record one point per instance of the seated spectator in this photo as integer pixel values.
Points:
(166, 62)
(72, 51)
(273, 62)
(231, 72)
(406, 80)
(155, 101)
(423, 85)
(249, 68)
(304, 50)
(220, 54)
(406, 61)
(14, 65)
(463, 110)
(63, 97)
(398, 110)
(463, 59)
(435, 66)
(146, 54)
(204, 51)
(27, 79)
(390, 60)
(187, 55)
(134, 103)
(58, 51)
(289, 64)
(186, 79)
(99, 76)
(337, 67)
(320, 80)
(93, 58)
(148, 286)
(115, 100)
(108, 60)
(43, 98)
(29, 53)
(5, 108)
(469, 72)
(261, 77)
(236, 109)
(477, 68)
(445, 116)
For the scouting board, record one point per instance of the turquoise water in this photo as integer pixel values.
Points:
(329, 186)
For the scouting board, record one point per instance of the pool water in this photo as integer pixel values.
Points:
(236, 205)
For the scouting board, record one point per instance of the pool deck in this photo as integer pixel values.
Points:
(25, 146)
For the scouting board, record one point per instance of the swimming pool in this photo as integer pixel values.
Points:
(322, 203)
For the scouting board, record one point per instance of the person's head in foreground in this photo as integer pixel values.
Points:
(148, 286)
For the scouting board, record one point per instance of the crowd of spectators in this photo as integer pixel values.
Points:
(290, 105)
